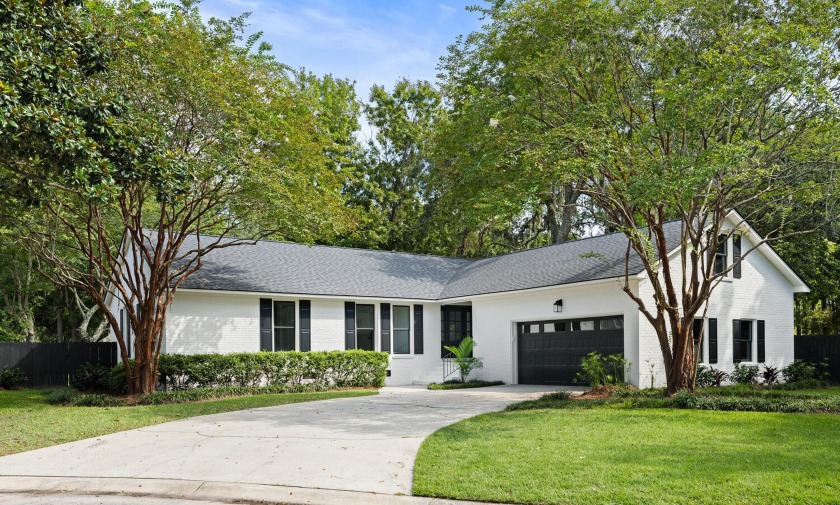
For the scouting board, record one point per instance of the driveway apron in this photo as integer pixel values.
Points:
(356, 444)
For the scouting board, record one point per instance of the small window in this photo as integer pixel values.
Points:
(743, 341)
(534, 328)
(402, 330)
(720, 255)
(697, 331)
(583, 325)
(365, 327)
(613, 323)
(561, 326)
(284, 326)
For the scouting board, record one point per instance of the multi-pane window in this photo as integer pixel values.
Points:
(743, 341)
(697, 330)
(720, 255)
(456, 323)
(402, 329)
(284, 326)
(365, 327)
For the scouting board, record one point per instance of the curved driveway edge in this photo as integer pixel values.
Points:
(365, 444)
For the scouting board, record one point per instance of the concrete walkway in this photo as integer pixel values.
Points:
(363, 445)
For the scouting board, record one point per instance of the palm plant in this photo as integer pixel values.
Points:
(464, 358)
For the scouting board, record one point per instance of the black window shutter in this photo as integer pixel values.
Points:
(713, 340)
(305, 309)
(418, 329)
(266, 342)
(736, 256)
(385, 327)
(349, 325)
(760, 341)
(736, 337)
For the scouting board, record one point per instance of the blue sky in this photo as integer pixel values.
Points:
(368, 41)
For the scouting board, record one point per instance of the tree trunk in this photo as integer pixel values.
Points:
(561, 209)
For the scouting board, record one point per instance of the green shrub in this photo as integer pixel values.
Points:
(115, 382)
(321, 369)
(202, 394)
(708, 377)
(63, 396)
(801, 384)
(602, 370)
(463, 357)
(12, 378)
(770, 375)
(801, 370)
(744, 374)
(463, 385)
(91, 377)
(558, 399)
(97, 400)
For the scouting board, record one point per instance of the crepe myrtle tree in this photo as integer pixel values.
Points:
(709, 113)
(123, 146)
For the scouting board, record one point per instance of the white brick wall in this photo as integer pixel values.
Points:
(208, 322)
(762, 293)
(495, 318)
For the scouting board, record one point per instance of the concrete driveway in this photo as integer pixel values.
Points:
(365, 444)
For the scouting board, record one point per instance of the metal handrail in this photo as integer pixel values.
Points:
(450, 365)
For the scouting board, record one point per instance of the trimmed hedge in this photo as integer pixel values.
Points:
(687, 400)
(327, 369)
(463, 385)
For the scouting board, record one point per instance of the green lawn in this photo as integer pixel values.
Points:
(27, 422)
(615, 455)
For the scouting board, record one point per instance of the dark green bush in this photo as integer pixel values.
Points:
(602, 370)
(708, 377)
(463, 385)
(322, 369)
(91, 377)
(63, 396)
(803, 371)
(686, 400)
(12, 378)
(201, 394)
(744, 374)
(115, 382)
(97, 400)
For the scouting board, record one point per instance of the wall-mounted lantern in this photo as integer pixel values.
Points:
(558, 306)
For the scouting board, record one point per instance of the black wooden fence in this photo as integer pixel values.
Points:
(50, 365)
(816, 348)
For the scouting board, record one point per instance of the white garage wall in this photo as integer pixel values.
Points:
(495, 318)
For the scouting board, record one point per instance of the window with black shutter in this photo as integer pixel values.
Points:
(305, 325)
(402, 329)
(284, 326)
(760, 341)
(736, 256)
(365, 327)
(418, 329)
(741, 341)
(349, 325)
(713, 340)
(720, 255)
(266, 342)
(698, 340)
(385, 327)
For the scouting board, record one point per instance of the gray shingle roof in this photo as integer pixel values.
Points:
(283, 267)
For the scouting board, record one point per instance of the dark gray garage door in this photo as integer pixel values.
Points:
(550, 352)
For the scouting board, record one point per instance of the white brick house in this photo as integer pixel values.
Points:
(283, 296)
